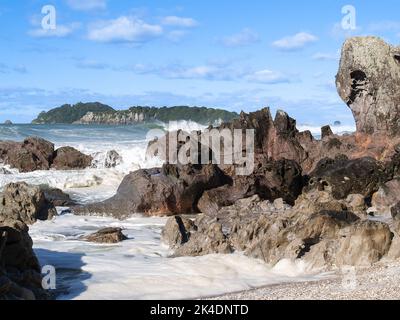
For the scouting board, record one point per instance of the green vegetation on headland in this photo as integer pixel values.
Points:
(70, 113)
(97, 113)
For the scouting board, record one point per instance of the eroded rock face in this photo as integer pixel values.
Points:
(38, 154)
(343, 177)
(107, 235)
(20, 201)
(271, 180)
(32, 154)
(325, 238)
(20, 277)
(67, 158)
(167, 191)
(368, 81)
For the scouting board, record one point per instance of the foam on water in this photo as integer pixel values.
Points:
(139, 268)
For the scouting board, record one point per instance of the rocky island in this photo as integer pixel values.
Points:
(97, 113)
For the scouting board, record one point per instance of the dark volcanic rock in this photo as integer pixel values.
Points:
(32, 154)
(160, 192)
(20, 277)
(67, 158)
(326, 131)
(112, 160)
(107, 235)
(369, 82)
(20, 201)
(395, 211)
(57, 197)
(343, 177)
(271, 180)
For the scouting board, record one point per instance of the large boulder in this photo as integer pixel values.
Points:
(386, 197)
(20, 201)
(167, 191)
(32, 154)
(20, 277)
(67, 158)
(368, 81)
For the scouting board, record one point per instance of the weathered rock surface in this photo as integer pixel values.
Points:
(30, 155)
(107, 235)
(386, 197)
(57, 197)
(67, 158)
(369, 82)
(159, 192)
(271, 180)
(112, 159)
(324, 238)
(20, 277)
(38, 154)
(343, 177)
(20, 201)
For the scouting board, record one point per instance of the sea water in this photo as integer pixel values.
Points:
(141, 267)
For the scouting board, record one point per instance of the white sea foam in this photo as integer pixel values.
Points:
(139, 268)
(316, 130)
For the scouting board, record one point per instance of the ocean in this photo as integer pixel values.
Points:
(139, 268)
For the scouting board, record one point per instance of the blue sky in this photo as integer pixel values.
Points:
(238, 55)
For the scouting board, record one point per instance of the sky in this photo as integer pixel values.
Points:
(237, 55)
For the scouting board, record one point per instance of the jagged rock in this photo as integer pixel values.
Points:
(369, 82)
(324, 238)
(326, 131)
(167, 191)
(20, 277)
(107, 235)
(177, 231)
(32, 154)
(67, 158)
(386, 197)
(5, 171)
(57, 197)
(8, 122)
(20, 201)
(343, 177)
(271, 180)
(113, 159)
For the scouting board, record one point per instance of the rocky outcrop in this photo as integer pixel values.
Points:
(20, 277)
(368, 81)
(112, 159)
(343, 177)
(107, 235)
(57, 197)
(261, 230)
(67, 158)
(30, 155)
(38, 154)
(270, 180)
(114, 118)
(167, 191)
(22, 202)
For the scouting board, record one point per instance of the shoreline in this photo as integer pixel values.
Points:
(378, 282)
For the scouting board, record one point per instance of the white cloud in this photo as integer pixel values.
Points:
(87, 5)
(268, 77)
(61, 31)
(124, 29)
(295, 42)
(243, 38)
(174, 21)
